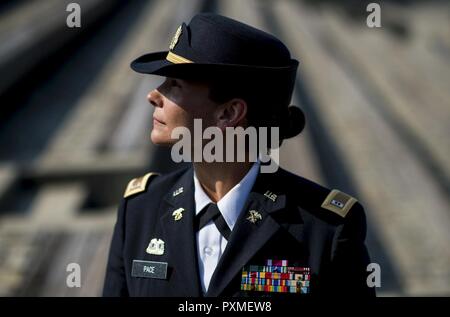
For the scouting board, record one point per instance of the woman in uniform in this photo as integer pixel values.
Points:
(226, 228)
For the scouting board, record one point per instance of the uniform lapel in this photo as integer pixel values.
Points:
(180, 233)
(247, 237)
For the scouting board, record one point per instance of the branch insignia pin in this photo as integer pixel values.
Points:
(178, 214)
(254, 216)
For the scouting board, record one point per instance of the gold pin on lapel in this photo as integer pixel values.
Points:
(178, 214)
(270, 195)
(156, 247)
(177, 191)
(254, 216)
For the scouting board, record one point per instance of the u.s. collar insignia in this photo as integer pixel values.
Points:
(270, 195)
(178, 214)
(177, 191)
(254, 216)
(175, 38)
(156, 247)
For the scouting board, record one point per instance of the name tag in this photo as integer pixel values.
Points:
(149, 269)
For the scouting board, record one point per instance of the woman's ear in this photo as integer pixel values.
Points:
(233, 113)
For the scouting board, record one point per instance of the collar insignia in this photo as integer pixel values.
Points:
(178, 214)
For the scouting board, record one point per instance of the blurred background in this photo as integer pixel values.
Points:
(75, 127)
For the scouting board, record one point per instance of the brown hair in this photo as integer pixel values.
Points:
(265, 106)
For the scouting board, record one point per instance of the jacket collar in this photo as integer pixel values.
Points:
(268, 198)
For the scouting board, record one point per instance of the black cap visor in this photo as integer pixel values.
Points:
(157, 64)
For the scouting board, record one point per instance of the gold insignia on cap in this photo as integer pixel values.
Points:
(177, 59)
(339, 202)
(138, 184)
(175, 38)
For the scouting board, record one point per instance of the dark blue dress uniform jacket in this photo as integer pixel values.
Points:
(293, 227)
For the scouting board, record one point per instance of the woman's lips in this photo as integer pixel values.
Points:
(155, 120)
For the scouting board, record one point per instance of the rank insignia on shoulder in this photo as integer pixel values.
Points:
(138, 184)
(338, 202)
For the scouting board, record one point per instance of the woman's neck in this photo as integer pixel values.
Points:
(217, 179)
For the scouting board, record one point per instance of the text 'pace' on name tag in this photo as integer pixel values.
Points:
(149, 269)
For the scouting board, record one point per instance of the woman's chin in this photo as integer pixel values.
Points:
(159, 139)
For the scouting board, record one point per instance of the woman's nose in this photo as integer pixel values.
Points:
(155, 98)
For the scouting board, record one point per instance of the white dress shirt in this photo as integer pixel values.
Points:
(210, 243)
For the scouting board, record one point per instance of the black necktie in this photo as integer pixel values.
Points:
(212, 212)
